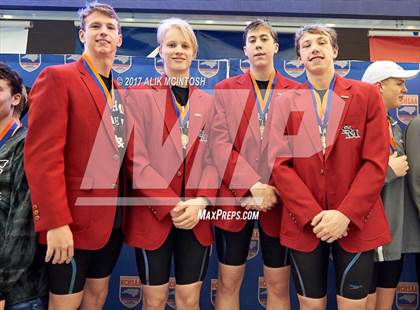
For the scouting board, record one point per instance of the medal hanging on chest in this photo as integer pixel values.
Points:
(322, 109)
(111, 102)
(263, 103)
(183, 115)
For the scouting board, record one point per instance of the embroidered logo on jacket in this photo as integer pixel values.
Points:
(349, 132)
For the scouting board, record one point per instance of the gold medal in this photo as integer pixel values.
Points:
(184, 140)
(262, 131)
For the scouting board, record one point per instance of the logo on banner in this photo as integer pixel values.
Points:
(293, 68)
(254, 245)
(69, 58)
(208, 68)
(171, 294)
(159, 65)
(407, 295)
(342, 67)
(213, 290)
(244, 65)
(121, 63)
(408, 109)
(262, 292)
(130, 291)
(30, 62)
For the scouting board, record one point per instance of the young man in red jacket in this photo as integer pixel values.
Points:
(240, 137)
(76, 113)
(328, 144)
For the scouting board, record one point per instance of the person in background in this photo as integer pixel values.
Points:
(73, 152)
(23, 282)
(329, 149)
(412, 147)
(390, 79)
(240, 138)
(171, 159)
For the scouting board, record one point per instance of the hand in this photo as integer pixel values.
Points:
(2, 304)
(264, 193)
(398, 164)
(330, 225)
(178, 209)
(249, 203)
(60, 245)
(189, 217)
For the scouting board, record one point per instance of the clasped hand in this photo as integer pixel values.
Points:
(185, 215)
(330, 225)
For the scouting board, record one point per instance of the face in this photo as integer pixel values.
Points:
(392, 90)
(177, 52)
(101, 36)
(260, 48)
(316, 53)
(7, 100)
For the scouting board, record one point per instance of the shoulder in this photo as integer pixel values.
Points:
(61, 69)
(360, 87)
(286, 82)
(231, 82)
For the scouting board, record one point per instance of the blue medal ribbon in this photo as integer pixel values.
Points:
(322, 118)
(263, 104)
(109, 97)
(183, 115)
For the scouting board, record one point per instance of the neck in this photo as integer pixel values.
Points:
(4, 122)
(179, 79)
(262, 74)
(321, 81)
(102, 64)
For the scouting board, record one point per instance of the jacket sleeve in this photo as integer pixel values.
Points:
(17, 253)
(237, 170)
(44, 149)
(367, 185)
(413, 154)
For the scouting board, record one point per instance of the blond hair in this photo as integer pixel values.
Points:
(179, 24)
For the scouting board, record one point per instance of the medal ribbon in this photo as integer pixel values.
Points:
(322, 108)
(8, 132)
(182, 112)
(264, 103)
(109, 97)
(392, 144)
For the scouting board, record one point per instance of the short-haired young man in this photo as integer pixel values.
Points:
(74, 109)
(328, 144)
(390, 79)
(240, 136)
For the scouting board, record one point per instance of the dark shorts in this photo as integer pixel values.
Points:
(232, 247)
(94, 264)
(386, 274)
(190, 257)
(353, 271)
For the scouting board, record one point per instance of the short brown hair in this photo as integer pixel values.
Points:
(315, 29)
(260, 23)
(102, 8)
